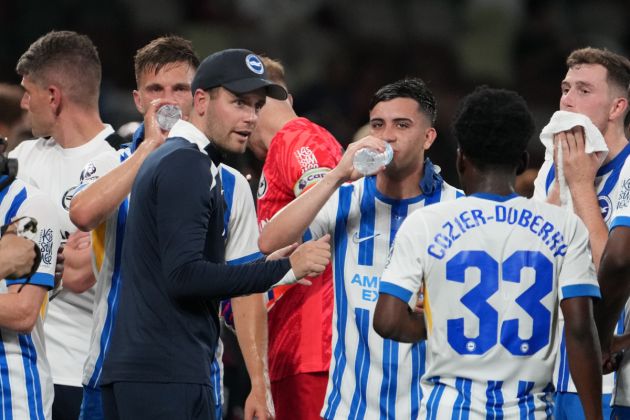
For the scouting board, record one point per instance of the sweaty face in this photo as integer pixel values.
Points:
(171, 82)
(401, 123)
(585, 90)
(37, 103)
(231, 118)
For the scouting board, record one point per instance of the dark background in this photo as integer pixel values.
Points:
(337, 53)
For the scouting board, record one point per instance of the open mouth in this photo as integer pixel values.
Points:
(243, 133)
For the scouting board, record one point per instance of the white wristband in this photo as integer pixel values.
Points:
(288, 278)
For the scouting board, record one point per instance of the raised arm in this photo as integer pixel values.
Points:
(94, 204)
(288, 225)
(580, 170)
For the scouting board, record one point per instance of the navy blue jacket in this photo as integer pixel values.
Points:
(173, 270)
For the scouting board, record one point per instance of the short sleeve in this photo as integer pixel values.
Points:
(543, 181)
(99, 166)
(577, 273)
(314, 153)
(325, 220)
(37, 206)
(404, 271)
(240, 216)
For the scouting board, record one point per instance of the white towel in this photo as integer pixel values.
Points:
(594, 142)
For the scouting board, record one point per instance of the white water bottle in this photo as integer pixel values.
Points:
(167, 116)
(368, 161)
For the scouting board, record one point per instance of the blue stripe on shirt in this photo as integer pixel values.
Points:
(390, 376)
(494, 400)
(578, 290)
(418, 361)
(31, 376)
(461, 408)
(433, 404)
(394, 290)
(5, 384)
(112, 296)
(620, 221)
(361, 365)
(525, 400)
(341, 300)
(15, 205)
(368, 220)
(563, 366)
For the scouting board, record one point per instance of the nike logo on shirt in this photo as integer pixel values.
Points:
(357, 240)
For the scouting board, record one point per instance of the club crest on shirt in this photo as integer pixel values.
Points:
(87, 172)
(605, 205)
(67, 197)
(262, 186)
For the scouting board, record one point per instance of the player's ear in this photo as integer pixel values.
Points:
(460, 163)
(522, 164)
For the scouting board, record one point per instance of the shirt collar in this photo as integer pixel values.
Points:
(186, 130)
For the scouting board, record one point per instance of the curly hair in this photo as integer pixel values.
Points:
(493, 127)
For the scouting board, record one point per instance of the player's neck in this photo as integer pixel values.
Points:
(616, 140)
(400, 186)
(76, 129)
(497, 183)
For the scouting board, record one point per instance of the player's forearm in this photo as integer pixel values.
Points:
(614, 283)
(93, 205)
(289, 224)
(78, 275)
(19, 311)
(250, 320)
(586, 206)
(584, 353)
(394, 319)
(586, 371)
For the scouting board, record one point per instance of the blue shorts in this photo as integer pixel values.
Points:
(620, 413)
(567, 406)
(91, 406)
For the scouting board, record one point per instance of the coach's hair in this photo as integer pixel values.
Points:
(493, 127)
(274, 70)
(162, 51)
(66, 59)
(413, 88)
(618, 66)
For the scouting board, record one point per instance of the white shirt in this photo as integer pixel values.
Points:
(609, 185)
(493, 271)
(369, 377)
(55, 171)
(26, 385)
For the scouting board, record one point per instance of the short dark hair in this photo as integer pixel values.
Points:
(618, 66)
(65, 58)
(162, 51)
(413, 88)
(493, 127)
